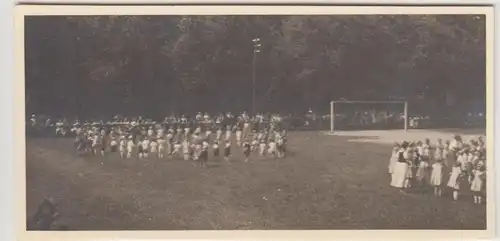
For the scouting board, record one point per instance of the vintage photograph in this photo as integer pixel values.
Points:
(256, 121)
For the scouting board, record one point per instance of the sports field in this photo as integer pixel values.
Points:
(325, 182)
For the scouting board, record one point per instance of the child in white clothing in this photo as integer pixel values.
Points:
(238, 136)
(262, 148)
(153, 146)
(454, 180)
(185, 150)
(394, 157)
(130, 147)
(227, 150)
(437, 177)
(218, 134)
(161, 147)
(477, 184)
(272, 148)
(123, 146)
(177, 148)
(215, 148)
(145, 148)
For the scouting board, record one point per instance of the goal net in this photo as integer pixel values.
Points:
(368, 115)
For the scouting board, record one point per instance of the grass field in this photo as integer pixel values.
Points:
(326, 182)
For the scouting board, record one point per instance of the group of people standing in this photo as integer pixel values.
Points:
(459, 166)
(189, 142)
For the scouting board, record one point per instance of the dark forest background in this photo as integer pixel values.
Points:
(93, 65)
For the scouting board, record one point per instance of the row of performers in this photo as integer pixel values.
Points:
(189, 146)
(131, 129)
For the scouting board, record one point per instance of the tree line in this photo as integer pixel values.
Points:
(159, 64)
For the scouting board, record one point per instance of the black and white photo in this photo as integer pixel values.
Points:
(257, 121)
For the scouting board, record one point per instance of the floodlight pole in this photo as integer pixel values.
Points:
(332, 116)
(256, 49)
(253, 82)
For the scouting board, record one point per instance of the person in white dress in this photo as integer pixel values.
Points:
(255, 144)
(423, 165)
(161, 147)
(272, 148)
(238, 136)
(218, 134)
(130, 147)
(123, 146)
(169, 142)
(177, 148)
(227, 136)
(246, 129)
(436, 179)
(394, 158)
(186, 150)
(161, 133)
(113, 144)
(454, 180)
(227, 150)
(280, 147)
(208, 133)
(262, 148)
(400, 172)
(153, 147)
(477, 184)
(97, 144)
(216, 148)
(438, 151)
(145, 148)
(150, 132)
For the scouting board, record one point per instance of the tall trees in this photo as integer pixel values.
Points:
(101, 64)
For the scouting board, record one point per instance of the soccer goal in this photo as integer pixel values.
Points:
(368, 115)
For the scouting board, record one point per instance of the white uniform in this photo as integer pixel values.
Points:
(218, 134)
(255, 144)
(228, 135)
(177, 148)
(161, 145)
(205, 145)
(122, 147)
(272, 148)
(453, 181)
(437, 174)
(161, 133)
(400, 170)
(130, 148)
(478, 180)
(185, 150)
(168, 142)
(262, 148)
(145, 144)
(154, 147)
(238, 137)
(113, 143)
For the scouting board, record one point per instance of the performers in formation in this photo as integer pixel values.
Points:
(177, 138)
(458, 166)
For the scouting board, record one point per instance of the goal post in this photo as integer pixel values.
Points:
(398, 111)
